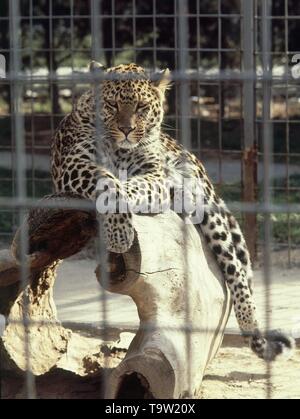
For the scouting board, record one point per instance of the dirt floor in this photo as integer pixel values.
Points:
(236, 373)
(79, 299)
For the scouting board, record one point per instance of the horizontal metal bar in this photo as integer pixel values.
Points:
(151, 15)
(28, 203)
(194, 75)
(120, 49)
(128, 16)
(101, 325)
(85, 205)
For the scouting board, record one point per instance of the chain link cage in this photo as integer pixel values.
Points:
(234, 102)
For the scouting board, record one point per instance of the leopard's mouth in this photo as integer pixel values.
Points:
(127, 144)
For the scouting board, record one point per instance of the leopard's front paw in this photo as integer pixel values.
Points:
(118, 232)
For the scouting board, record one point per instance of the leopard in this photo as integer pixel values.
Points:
(117, 126)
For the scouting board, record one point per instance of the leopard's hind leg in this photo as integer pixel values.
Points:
(240, 246)
(234, 261)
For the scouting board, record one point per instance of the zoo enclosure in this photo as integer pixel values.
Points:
(58, 38)
(231, 59)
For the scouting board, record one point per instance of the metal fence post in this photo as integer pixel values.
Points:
(268, 161)
(20, 151)
(249, 160)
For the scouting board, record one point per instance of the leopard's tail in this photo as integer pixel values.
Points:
(272, 345)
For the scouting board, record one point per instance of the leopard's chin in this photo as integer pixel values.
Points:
(127, 144)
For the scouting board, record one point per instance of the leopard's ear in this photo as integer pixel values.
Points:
(162, 80)
(95, 66)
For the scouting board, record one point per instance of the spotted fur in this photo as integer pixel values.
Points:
(127, 108)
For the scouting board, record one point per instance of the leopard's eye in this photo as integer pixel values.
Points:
(112, 103)
(141, 107)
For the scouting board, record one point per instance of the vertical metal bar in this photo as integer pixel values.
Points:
(32, 101)
(249, 160)
(113, 29)
(50, 52)
(134, 28)
(176, 67)
(154, 34)
(184, 96)
(102, 254)
(96, 24)
(220, 96)
(16, 90)
(248, 66)
(183, 67)
(287, 133)
(198, 83)
(267, 164)
(72, 34)
(13, 139)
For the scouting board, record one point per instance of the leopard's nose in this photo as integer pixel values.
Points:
(127, 130)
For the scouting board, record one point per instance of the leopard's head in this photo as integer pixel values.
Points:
(131, 104)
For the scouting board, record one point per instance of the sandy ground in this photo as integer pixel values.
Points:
(81, 300)
(236, 373)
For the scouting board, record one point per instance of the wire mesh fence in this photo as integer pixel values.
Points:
(235, 100)
(57, 39)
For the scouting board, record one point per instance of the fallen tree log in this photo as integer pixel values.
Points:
(183, 306)
(53, 234)
(169, 273)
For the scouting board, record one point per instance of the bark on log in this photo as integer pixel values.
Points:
(168, 268)
(183, 307)
(54, 234)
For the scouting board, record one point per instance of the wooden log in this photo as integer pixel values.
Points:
(183, 307)
(47, 338)
(171, 276)
(54, 234)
